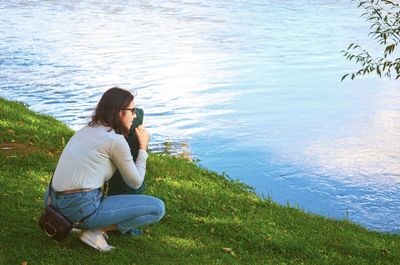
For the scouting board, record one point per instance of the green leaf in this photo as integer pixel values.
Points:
(378, 71)
(384, 19)
(389, 49)
(343, 77)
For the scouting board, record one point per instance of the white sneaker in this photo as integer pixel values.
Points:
(96, 239)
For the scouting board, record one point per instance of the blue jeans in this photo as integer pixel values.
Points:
(127, 212)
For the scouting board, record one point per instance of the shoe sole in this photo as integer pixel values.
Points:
(93, 245)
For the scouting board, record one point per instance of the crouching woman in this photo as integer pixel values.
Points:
(89, 159)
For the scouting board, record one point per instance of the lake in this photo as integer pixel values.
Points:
(251, 89)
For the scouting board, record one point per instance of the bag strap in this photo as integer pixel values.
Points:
(83, 219)
(49, 195)
(49, 202)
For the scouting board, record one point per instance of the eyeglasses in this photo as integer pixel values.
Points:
(133, 110)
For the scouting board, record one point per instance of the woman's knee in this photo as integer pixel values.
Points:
(160, 206)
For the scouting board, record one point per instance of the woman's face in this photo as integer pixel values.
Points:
(127, 115)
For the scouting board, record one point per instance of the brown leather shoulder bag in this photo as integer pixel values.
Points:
(54, 224)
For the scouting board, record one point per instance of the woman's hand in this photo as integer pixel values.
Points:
(143, 137)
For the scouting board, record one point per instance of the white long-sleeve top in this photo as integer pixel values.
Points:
(91, 157)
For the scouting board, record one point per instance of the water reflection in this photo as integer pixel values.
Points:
(181, 150)
(369, 155)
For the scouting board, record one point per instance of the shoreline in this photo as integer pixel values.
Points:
(172, 149)
(210, 219)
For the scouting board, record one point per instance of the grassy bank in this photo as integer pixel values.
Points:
(209, 220)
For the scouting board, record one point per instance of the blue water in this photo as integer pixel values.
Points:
(250, 88)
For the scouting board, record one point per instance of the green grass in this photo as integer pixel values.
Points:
(210, 219)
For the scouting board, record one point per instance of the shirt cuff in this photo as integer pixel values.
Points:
(143, 154)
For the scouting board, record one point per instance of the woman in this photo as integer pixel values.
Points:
(89, 159)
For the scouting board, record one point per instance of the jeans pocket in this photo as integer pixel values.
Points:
(86, 212)
(86, 209)
(75, 208)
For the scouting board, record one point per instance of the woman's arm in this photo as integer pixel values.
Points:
(133, 174)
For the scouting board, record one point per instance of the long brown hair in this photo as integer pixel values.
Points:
(107, 111)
